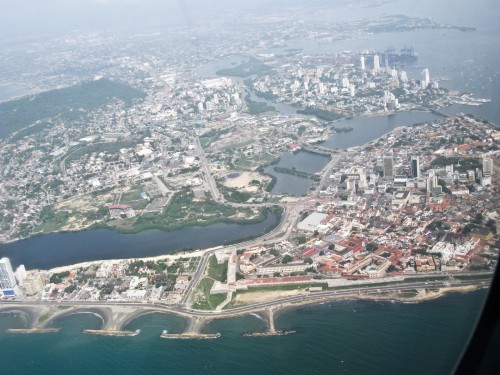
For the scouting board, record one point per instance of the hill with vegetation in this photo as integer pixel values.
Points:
(69, 103)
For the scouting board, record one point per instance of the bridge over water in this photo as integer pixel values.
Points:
(320, 150)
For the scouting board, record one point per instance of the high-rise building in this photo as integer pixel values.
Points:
(376, 63)
(415, 167)
(362, 62)
(20, 274)
(426, 79)
(388, 166)
(432, 182)
(34, 283)
(471, 176)
(449, 170)
(7, 276)
(487, 167)
(403, 76)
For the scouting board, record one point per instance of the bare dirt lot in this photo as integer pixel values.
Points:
(255, 297)
(242, 182)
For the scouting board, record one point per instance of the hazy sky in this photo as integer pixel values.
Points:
(26, 17)
(31, 17)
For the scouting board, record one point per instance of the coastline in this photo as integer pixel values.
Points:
(392, 297)
(425, 295)
(170, 256)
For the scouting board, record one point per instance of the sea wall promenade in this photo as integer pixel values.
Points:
(42, 317)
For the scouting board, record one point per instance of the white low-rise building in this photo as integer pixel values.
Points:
(312, 222)
(282, 268)
(136, 294)
(447, 250)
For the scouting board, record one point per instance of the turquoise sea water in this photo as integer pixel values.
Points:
(343, 337)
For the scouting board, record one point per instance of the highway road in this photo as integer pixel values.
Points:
(209, 178)
(316, 297)
(313, 297)
(326, 171)
(200, 271)
(280, 233)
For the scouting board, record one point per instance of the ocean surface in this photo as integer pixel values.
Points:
(343, 337)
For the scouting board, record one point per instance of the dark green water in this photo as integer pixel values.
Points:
(344, 337)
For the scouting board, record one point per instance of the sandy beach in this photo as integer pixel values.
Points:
(168, 257)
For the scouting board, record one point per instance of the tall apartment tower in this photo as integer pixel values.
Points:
(415, 167)
(487, 167)
(431, 183)
(7, 276)
(362, 62)
(426, 78)
(403, 76)
(376, 63)
(388, 166)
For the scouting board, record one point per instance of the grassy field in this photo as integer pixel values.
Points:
(207, 141)
(202, 298)
(273, 288)
(90, 209)
(237, 145)
(251, 67)
(321, 114)
(408, 293)
(134, 199)
(473, 277)
(184, 211)
(76, 212)
(108, 147)
(217, 271)
(253, 162)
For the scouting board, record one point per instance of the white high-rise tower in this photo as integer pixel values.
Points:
(376, 63)
(7, 276)
(362, 61)
(403, 76)
(426, 80)
(487, 167)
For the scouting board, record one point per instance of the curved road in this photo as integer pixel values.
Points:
(314, 297)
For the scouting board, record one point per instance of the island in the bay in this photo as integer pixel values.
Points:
(160, 141)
